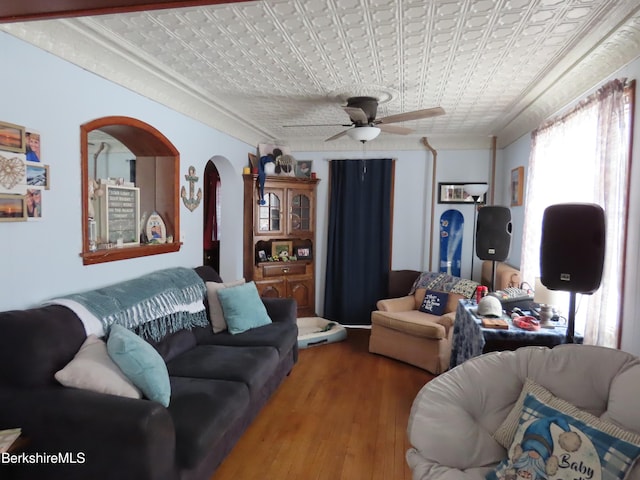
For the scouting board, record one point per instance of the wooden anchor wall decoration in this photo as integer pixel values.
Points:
(190, 202)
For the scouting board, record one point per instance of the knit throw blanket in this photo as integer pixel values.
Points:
(153, 305)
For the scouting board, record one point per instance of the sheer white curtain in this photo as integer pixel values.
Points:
(584, 157)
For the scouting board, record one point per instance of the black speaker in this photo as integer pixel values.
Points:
(493, 233)
(572, 247)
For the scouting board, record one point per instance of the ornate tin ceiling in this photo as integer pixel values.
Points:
(497, 67)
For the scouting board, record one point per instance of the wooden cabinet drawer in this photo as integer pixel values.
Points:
(287, 269)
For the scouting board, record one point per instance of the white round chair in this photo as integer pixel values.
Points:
(455, 415)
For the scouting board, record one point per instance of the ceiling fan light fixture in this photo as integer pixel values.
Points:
(363, 134)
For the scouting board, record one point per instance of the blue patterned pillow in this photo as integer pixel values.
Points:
(434, 302)
(554, 439)
(140, 362)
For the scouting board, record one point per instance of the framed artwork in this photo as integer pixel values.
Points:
(517, 186)
(455, 193)
(303, 253)
(13, 208)
(281, 249)
(34, 203)
(253, 162)
(32, 146)
(12, 137)
(13, 173)
(119, 215)
(303, 168)
(37, 175)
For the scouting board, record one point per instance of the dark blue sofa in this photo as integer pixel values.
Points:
(219, 383)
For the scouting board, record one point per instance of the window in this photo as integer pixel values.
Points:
(584, 157)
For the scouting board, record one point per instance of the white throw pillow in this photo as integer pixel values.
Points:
(93, 369)
(216, 316)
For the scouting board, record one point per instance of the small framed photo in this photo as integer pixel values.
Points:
(37, 175)
(303, 168)
(262, 256)
(281, 249)
(12, 137)
(13, 208)
(34, 203)
(517, 186)
(32, 146)
(303, 253)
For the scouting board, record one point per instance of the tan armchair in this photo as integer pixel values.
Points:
(399, 330)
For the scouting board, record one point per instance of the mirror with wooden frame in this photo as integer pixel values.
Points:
(130, 182)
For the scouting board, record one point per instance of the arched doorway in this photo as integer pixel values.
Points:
(211, 217)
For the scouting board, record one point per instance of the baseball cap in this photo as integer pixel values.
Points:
(490, 306)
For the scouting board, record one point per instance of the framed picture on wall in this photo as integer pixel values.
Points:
(454, 192)
(12, 137)
(37, 175)
(517, 186)
(13, 208)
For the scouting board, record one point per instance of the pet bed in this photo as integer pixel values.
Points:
(314, 331)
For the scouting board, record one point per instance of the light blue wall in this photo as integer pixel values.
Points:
(41, 259)
(515, 155)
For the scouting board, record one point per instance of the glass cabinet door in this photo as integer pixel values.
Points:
(269, 215)
(300, 212)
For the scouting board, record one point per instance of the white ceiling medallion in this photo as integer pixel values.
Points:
(383, 94)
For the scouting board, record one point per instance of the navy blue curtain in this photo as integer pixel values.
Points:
(359, 238)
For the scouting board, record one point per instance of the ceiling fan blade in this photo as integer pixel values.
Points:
(337, 135)
(394, 129)
(357, 115)
(415, 115)
(319, 125)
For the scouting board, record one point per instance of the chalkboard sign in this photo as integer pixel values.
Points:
(121, 215)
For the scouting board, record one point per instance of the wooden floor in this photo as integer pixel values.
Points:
(341, 414)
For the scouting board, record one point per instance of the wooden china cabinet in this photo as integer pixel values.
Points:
(285, 221)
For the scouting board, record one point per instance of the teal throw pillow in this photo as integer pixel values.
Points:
(243, 308)
(140, 362)
(434, 302)
(556, 440)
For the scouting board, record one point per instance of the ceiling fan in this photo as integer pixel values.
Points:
(365, 126)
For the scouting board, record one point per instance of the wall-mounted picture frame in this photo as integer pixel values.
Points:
(517, 186)
(32, 146)
(281, 249)
(12, 137)
(303, 253)
(38, 175)
(34, 203)
(454, 192)
(13, 179)
(303, 168)
(13, 208)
